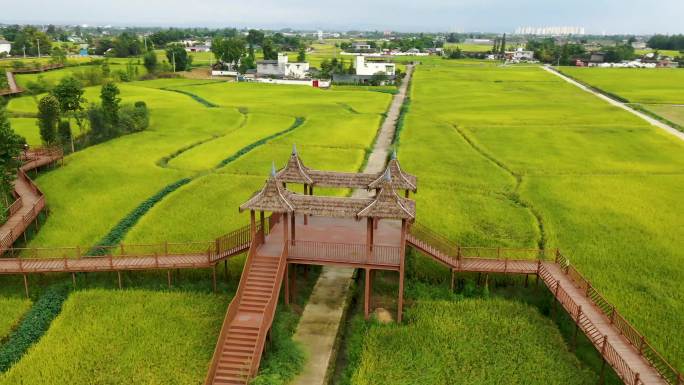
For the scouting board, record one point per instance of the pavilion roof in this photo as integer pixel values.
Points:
(270, 198)
(296, 172)
(387, 204)
(400, 179)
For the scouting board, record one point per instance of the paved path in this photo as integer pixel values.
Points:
(614, 102)
(320, 323)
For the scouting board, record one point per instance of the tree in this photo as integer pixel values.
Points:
(48, 118)
(254, 38)
(178, 57)
(110, 105)
(127, 45)
(150, 61)
(58, 56)
(229, 50)
(33, 40)
(269, 50)
(301, 57)
(10, 148)
(378, 79)
(69, 93)
(503, 45)
(64, 133)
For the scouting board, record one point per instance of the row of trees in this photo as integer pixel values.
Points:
(28, 40)
(10, 147)
(107, 120)
(124, 45)
(673, 42)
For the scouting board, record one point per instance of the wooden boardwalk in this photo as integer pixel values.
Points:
(620, 345)
(13, 88)
(30, 201)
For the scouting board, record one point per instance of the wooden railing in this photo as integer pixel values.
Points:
(638, 340)
(233, 307)
(31, 70)
(598, 339)
(354, 253)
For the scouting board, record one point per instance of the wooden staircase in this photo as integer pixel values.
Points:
(249, 318)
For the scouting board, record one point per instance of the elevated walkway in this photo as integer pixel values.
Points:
(620, 345)
(30, 201)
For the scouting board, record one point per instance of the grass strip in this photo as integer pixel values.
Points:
(298, 122)
(117, 234)
(33, 325)
(197, 98)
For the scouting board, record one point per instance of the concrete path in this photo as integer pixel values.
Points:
(324, 313)
(614, 102)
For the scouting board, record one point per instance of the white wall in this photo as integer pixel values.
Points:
(5, 48)
(372, 68)
(283, 68)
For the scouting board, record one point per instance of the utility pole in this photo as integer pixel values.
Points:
(24, 51)
(38, 41)
(173, 59)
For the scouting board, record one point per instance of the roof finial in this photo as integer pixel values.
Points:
(273, 170)
(388, 175)
(294, 149)
(394, 154)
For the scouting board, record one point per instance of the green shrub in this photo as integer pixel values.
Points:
(33, 326)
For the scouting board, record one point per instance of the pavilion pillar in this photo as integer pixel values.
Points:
(367, 293)
(286, 230)
(402, 254)
(252, 225)
(369, 239)
(406, 193)
(287, 284)
(311, 190)
(306, 192)
(262, 222)
(293, 224)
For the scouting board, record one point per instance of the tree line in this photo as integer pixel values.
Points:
(672, 42)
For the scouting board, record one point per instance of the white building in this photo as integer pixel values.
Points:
(373, 67)
(357, 46)
(550, 31)
(520, 55)
(281, 68)
(5, 46)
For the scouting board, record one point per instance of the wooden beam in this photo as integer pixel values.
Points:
(213, 277)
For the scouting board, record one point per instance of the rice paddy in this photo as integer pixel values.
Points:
(468, 341)
(522, 159)
(124, 337)
(12, 310)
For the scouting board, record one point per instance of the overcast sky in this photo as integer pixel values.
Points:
(597, 16)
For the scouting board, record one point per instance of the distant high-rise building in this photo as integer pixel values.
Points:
(550, 31)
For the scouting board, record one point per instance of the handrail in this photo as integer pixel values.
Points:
(346, 252)
(636, 339)
(232, 308)
(269, 312)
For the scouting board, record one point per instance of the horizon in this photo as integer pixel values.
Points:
(496, 16)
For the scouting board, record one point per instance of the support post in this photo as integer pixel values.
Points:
(602, 375)
(73, 279)
(292, 224)
(574, 337)
(225, 268)
(453, 274)
(26, 285)
(402, 254)
(366, 294)
(306, 192)
(213, 277)
(168, 277)
(369, 239)
(287, 283)
(262, 222)
(118, 274)
(252, 225)
(293, 289)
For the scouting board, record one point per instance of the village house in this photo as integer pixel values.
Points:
(519, 55)
(5, 47)
(282, 68)
(360, 46)
(366, 69)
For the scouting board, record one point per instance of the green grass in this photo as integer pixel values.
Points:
(469, 341)
(27, 128)
(517, 157)
(123, 337)
(12, 310)
(470, 47)
(657, 86)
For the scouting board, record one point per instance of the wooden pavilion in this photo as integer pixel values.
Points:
(327, 230)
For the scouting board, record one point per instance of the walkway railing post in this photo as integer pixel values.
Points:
(577, 323)
(602, 375)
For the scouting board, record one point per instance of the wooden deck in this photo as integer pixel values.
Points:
(29, 202)
(13, 88)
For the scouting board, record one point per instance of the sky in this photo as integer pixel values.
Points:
(597, 16)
